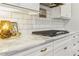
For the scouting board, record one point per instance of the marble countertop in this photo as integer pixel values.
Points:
(28, 42)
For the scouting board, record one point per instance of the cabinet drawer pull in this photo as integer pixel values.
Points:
(74, 36)
(45, 49)
(78, 41)
(74, 44)
(74, 54)
(65, 48)
(77, 55)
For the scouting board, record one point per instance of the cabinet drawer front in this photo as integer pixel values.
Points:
(43, 51)
(59, 51)
(38, 51)
(64, 49)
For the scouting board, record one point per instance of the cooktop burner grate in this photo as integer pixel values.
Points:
(50, 33)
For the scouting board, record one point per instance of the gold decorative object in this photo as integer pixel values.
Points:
(6, 29)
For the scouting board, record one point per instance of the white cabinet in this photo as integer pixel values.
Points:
(63, 11)
(75, 44)
(67, 46)
(33, 6)
(66, 10)
(43, 50)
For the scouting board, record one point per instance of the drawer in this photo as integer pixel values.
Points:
(63, 49)
(38, 51)
(45, 51)
(75, 51)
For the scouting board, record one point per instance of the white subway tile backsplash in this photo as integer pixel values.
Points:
(27, 17)
(17, 15)
(4, 14)
(27, 23)
(48, 23)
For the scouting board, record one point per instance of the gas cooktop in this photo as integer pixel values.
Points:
(50, 33)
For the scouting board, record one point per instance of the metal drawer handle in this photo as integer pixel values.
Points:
(77, 55)
(74, 44)
(65, 48)
(74, 36)
(45, 49)
(78, 41)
